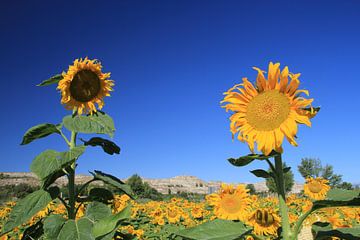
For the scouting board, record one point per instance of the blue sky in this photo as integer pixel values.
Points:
(171, 62)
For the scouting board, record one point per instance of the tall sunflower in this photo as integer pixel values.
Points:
(83, 85)
(231, 203)
(316, 188)
(268, 111)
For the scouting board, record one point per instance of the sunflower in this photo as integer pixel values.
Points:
(83, 85)
(231, 203)
(268, 111)
(316, 188)
(265, 221)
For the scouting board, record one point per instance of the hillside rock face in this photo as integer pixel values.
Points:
(164, 185)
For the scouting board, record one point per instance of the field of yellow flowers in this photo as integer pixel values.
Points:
(160, 219)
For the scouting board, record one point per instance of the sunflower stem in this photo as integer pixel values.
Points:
(286, 231)
(71, 178)
(65, 138)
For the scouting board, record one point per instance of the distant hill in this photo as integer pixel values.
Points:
(164, 185)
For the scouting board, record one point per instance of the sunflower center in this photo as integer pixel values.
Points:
(264, 218)
(268, 110)
(231, 203)
(315, 187)
(85, 86)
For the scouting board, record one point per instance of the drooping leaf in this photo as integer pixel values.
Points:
(114, 181)
(97, 123)
(97, 211)
(76, 230)
(29, 206)
(51, 161)
(108, 146)
(261, 173)
(245, 160)
(53, 225)
(39, 131)
(322, 230)
(287, 169)
(101, 195)
(108, 224)
(52, 80)
(215, 230)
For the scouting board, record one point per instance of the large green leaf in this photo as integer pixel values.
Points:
(108, 224)
(97, 211)
(114, 181)
(322, 230)
(96, 123)
(53, 225)
(215, 230)
(245, 160)
(107, 145)
(77, 230)
(261, 173)
(52, 80)
(29, 206)
(51, 161)
(101, 195)
(339, 197)
(39, 131)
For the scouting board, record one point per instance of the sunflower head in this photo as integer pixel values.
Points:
(268, 111)
(316, 188)
(231, 202)
(265, 221)
(83, 85)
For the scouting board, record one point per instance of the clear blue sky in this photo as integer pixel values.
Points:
(171, 61)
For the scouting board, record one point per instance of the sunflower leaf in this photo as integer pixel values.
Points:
(286, 169)
(245, 160)
(322, 230)
(215, 230)
(52, 80)
(114, 181)
(107, 145)
(338, 197)
(77, 230)
(97, 123)
(261, 173)
(39, 131)
(51, 162)
(29, 206)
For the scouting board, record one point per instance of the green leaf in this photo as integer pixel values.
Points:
(97, 210)
(101, 195)
(76, 230)
(52, 80)
(287, 169)
(261, 173)
(339, 197)
(39, 131)
(29, 206)
(108, 146)
(53, 225)
(96, 123)
(108, 224)
(245, 160)
(114, 181)
(50, 162)
(322, 230)
(215, 230)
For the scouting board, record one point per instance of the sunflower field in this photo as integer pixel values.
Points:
(262, 115)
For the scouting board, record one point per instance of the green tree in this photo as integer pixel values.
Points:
(311, 167)
(143, 190)
(288, 181)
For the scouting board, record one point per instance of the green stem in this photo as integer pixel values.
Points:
(286, 231)
(300, 221)
(71, 183)
(64, 137)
